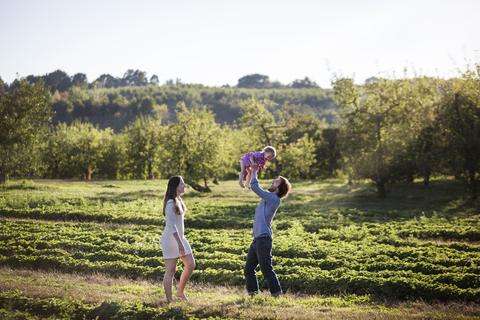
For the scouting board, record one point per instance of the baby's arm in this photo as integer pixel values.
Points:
(264, 167)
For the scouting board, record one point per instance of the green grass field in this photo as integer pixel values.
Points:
(87, 250)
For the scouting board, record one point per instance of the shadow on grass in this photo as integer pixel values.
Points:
(133, 310)
(128, 196)
(23, 185)
(440, 196)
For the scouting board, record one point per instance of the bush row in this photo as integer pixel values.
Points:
(305, 262)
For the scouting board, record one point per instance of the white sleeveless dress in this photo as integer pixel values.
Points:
(173, 223)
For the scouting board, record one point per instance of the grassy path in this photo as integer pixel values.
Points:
(98, 293)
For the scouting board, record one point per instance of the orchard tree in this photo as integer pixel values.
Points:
(381, 120)
(112, 155)
(57, 152)
(69, 151)
(328, 152)
(426, 150)
(198, 147)
(87, 148)
(354, 143)
(27, 158)
(143, 148)
(297, 157)
(298, 129)
(261, 126)
(22, 113)
(265, 128)
(460, 120)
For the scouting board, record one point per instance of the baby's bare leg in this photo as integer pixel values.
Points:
(242, 173)
(249, 177)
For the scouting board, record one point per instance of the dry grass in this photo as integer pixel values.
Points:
(207, 300)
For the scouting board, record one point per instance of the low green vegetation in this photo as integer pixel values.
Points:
(331, 241)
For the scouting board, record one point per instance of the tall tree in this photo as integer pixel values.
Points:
(135, 78)
(80, 80)
(57, 80)
(154, 80)
(257, 81)
(22, 113)
(108, 81)
(303, 83)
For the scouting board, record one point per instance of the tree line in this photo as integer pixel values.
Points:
(115, 102)
(389, 130)
(61, 81)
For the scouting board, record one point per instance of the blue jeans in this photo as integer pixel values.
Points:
(260, 252)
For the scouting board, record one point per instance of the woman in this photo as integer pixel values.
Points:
(174, 244)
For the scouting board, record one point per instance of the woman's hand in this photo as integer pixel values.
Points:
(181, 249)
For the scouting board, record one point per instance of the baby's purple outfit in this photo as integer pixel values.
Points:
(258, 156)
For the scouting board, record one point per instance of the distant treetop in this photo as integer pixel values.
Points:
(260, 81)
(256, 81)
(305, 83)
(371, 80)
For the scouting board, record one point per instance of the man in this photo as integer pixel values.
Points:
(260, 251)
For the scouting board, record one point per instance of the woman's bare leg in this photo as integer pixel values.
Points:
(170, 268)
(189, 263)
(249, 177)
(242, 173)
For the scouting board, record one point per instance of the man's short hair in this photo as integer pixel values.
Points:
(284, 188)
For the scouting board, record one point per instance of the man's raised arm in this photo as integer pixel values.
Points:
(267, 196)
(254, 169)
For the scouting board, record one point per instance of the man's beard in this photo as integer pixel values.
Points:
(271, 188)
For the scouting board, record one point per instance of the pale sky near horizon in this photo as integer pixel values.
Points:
(217, 42)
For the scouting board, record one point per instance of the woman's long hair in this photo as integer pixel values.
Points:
(171, 193)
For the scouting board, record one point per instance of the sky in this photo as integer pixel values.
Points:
(216, 43)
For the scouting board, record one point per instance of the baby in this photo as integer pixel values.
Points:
(260, 158)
